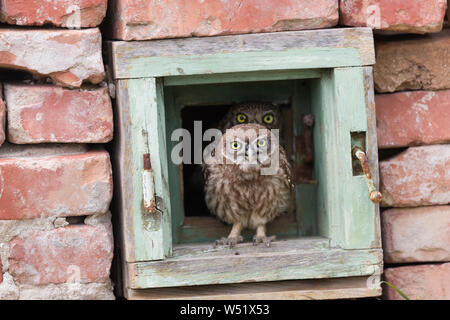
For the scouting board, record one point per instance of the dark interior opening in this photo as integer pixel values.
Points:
(193, 193)
(194, 196)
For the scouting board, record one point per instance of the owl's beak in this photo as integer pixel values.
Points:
(249, 155)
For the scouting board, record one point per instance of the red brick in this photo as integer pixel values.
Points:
(60, 13)
(68, 57)
(416, 177)
(416, 234)
(63, 185)
(154, 19)
(77, 253)
(413, 118)
(412, 16)
(2, 117)
(413, 63)
(422, 282)
(42, 113)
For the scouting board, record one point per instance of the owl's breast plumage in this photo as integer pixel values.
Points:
(251, 200)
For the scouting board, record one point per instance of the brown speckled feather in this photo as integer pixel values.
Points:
(235, 193)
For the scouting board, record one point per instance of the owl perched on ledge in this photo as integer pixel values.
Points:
(247, 181)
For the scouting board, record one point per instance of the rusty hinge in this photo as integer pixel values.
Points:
(148, 186)
(374, 195)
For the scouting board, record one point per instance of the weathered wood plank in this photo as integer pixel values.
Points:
(325, 143)
(327, 48)
(207, 268)
(242, 77)
(175, 172)
(147, 236)
(345, 213)
(357, 212)
(320, 289)
(372, 148)
(209, 229)
(189, 251)
(157, 142)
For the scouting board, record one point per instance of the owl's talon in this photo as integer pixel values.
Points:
(263, 239)
(231, 241)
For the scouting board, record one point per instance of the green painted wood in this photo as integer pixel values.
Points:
(325, 150)
(157, 142)
(139, 224)
(173, 121)
(357, 211)
(308, 49)
(242, 77)
(292, 261)
(152, 231)
(305, 194)
(306, 201)
(310, 58)
(346, 214)
(337, 207)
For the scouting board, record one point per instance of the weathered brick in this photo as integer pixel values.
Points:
(73, 254)
(413, 63)
(154, 19)
(1, 271)
(42, 113)
(416, 234)
(60, 13)
(68, 291)
(412, 16)
(413, 118)
(2, 117)
(63, 185)
(68, 57)
(422, 282)
(416, 177)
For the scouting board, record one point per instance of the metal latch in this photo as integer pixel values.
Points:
(374, 195)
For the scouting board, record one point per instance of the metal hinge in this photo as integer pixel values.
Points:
(148, 186)
(374, 195)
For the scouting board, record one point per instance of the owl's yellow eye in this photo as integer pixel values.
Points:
(261, 142)
(241, 118)
(235, 145)
(268, 118)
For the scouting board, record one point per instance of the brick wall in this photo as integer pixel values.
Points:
(55, 176)
(412, 80)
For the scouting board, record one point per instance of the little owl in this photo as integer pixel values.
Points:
(263, 113)
(247, 181)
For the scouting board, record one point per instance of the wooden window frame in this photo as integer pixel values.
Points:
(340, 62)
